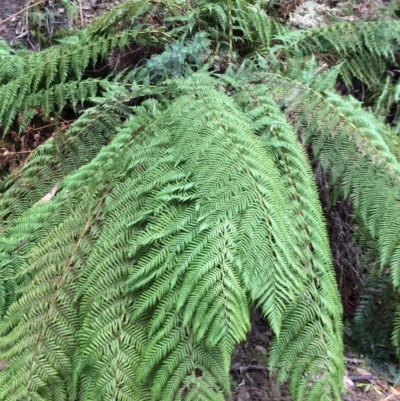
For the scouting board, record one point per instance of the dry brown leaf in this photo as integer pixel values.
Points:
(395, 390)
(381, 384)
(243, 394)
(363, 372)
(260, 348)
(348, 383)
(390, 397)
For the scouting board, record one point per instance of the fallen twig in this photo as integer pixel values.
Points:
(354, 360)
(361, 378)
(81, 11)
(21, 11)
(248, 368)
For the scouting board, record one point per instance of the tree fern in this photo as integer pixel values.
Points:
(174, 287)
(135, 244)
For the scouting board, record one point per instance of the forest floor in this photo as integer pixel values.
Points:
(9, 18)
(250, 380)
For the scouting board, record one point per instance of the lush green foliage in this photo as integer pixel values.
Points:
(135, 245)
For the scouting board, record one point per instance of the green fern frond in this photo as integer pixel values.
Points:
(38, 334)
(40, 329)
(236, 22)
(22, 226)
(361, 48)
(42, 82)
(121, 14)
(157, 275)
(300, 341)
(264, 28)
(171, 270)
(65, 152)
(218, 173)
(352, 144)
(5, 50)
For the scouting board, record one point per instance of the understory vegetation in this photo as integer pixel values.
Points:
(174, 165)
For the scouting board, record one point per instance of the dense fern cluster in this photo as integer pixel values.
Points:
(135, 245)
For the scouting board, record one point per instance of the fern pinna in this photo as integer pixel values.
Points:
(135, 245)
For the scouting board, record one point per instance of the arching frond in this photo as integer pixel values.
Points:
(42, 81)
(135, 243)
(294, 350)
(360, 48)
(171, 270)
(356, 150)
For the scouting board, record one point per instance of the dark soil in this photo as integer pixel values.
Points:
(8, 19)
(251, 381)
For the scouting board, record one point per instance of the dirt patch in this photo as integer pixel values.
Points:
(8, 20)
(251, 381)
(35, 23)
